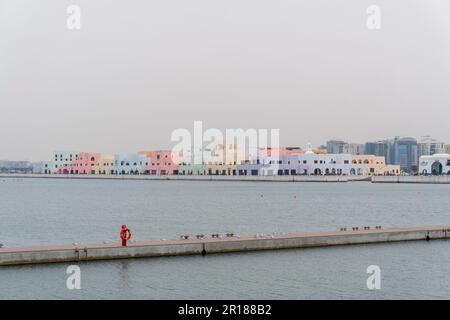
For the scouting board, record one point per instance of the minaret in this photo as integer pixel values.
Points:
(309, 148)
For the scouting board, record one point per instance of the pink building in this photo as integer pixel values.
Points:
(84, 163)
(163, 162)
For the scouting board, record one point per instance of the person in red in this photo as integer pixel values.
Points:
(125, 235)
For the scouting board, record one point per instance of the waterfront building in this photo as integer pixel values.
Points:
(223, 169)
(437, 164)
(329, 164)
(193, 169)
(83, 163)
(188, 167)
(250, 168)
(271, 161)
(375, 165)
(61, 160)
(447, 148)
(218, 159)
(308, 163)
(429, 146)
(162, 162)
(47, 167)
(106, 164)
(130, 164)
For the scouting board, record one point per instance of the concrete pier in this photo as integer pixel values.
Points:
(161, 248)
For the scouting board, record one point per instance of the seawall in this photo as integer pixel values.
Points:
(162, 248)
(412, 179)
(298, 178)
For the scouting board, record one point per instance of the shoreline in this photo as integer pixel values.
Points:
(298, 178)
(193, 178)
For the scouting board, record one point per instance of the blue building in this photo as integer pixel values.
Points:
(404, 152)
(130, 164)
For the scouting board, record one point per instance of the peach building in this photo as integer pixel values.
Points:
(105, 164)
(162, 162)
(375, 165)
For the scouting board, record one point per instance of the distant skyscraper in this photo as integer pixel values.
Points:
(379, 148)
(428, 147)
(403, 152)
(397, 151)
(354, 148)
(335, 146)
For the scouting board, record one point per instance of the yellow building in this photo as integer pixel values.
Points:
(375, 165)
(222, 159)
(105, 164)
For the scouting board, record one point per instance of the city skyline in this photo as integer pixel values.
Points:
(425, 139)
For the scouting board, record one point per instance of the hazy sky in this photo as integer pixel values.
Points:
(137, 70)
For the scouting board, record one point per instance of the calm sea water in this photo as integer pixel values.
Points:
(44, 211)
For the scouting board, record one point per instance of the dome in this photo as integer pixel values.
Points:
(309, 149)
(441, 155)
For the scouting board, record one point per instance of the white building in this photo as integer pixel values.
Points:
(308, 163)
(447, 148)
(61, 159)
(436, 164)
(328, 164)
(428, 147)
